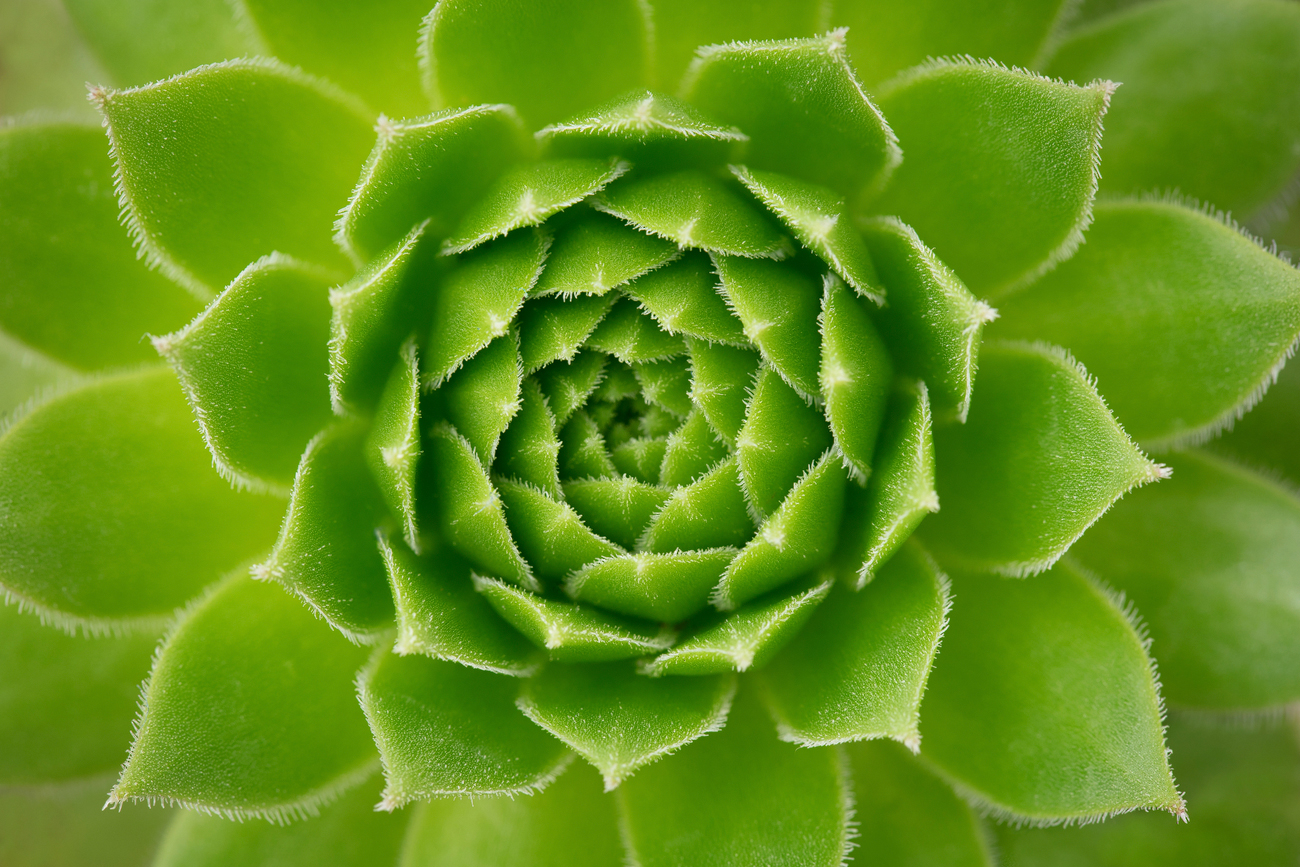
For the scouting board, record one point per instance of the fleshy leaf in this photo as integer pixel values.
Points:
(67, 701)
(597, 253)
(1038, 461)
(632, 336)
(856, 374)
(797, 537)
(802, 107)
(1263, 437)
(932, 323)
(249, 711)
(64, 255)
(483, 396)
(1210, 558)
(1001, 166)
(326, 551)
(618, 720)
(1206, 106)
(692, 451)
(428, 168)
(349, 833)
(496, 51)
(619, 508)
(449, 730)
(567, 386)
(571, 633)
(392, 447)
(1044, 704)
(721, 377)
(1198, 318)
(26, 375)
(816, 216)
(529, 193)
(571, 824)
(900, 492)
(551, 535)
(858, 670)
(640, 458)
(440, 615)
(782, 804)
(530, 447)
(710, 512)
(253, 365)
(260, 155)
(553, 329)
(907, 815)
(89, 537)
(683, 299)
(664, 587)
(666, 384)
(583, 454)
(781, 438)
(747, 637)
(696, 211)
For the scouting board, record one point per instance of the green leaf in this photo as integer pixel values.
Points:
(858, 670)
(139, 41)
(440, 615)
(1044, 705)
(1198, 318)
(781, 438)
(483, 396)
(1038, 462)
(619, 509)
(665, 587)
(553, 329)
(666, 384)
(449, 730)
(632, 336)
(802, 107)
(529, 193)
(349, 833)
(856, 373)
(372, 319)
(571, 824)
(365, 49)
(568, 386)
(551, 535)
(696, 211)
(583, 454)
(26, 375)
(783, 805)
(898, 495)
(63, 255)
(326, 552)
(261, 155)
(89, 536)
(432, 167)
(799, 536)
(620, 721)
(775, 303)
(597, 253)
(692, 451)
(67, 702)
(885, 37)
(908, 816)
(1206, 106)
(47, 63)
(1001, 167)
(496, 51)
(746, 638)
(530, 447)
(392, 447)
(1263, 436)
(683, 299)
(571, 633)
(720, 380)
(932, 322)
(813, 214)
(709, 512)
(640, 458)
(1210, 558)
(254, 367)
(477, 301)
(249, 711)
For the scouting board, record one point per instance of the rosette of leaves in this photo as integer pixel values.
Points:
(549, 452)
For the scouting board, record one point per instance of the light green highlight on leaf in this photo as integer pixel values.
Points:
(692, 450)
(597, 253)
(721, 377)
(620, 721)
(550, 534)
(617, 508)
(249, 711)
(683, 299)
(781, 438)
(666, 384)
(447, 730)
(530, 447)
(710, 512)
(856, 373)
(1039, 460)
(393, 448)
(665, 587)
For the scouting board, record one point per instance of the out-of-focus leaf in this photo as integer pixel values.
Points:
(26, 374)
(47, 63)
(1264, 436)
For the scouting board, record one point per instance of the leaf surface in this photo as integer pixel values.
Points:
(683, 299)
(856, 373)
(392, 447)
(1263, 436)
(665, 587)
(597, 253)
(551, 535)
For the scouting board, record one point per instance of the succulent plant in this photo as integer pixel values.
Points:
(559, 437)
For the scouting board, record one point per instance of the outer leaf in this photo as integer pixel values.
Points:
(89, 537)
(249, 711)
(1206, 106)
(66, 702)
(447, 730)
(349, 833)
(261, 156)
(326, 553)
(1040, 459)
(571, 824)
(856, 373)
(783, 804)
(392, 447)
(619, 720)
(1210, 558)
(1001, 167)
(25, 375)
(1044, 706)
(1198, 322)
(802, 107)
(254, 365)
(61, 248)
(858, 670)
(496, 51)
